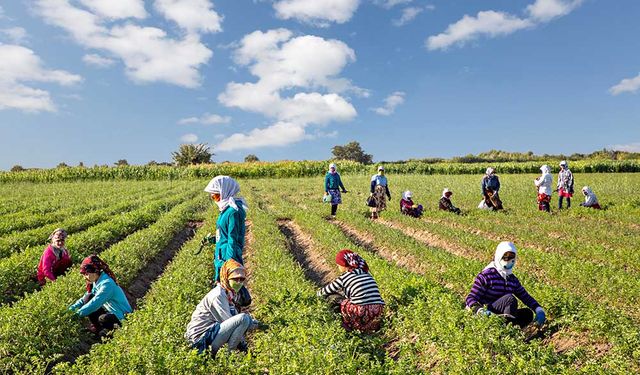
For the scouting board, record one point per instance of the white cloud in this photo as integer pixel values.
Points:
(630, 147)
(15, 35)
(191, 15)
(631, 85)
(492, 24)
(148, 53)
(306, 68)
(21, 65)
(116, 9)
(206, 119)
(408, 15)
(98, 60)
(189, 138)
(390, 104)
(391, 3)
(320, 13)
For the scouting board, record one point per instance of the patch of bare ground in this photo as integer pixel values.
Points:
(564, 341)
(302, 247)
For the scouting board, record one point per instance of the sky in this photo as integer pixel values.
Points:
(95, 81)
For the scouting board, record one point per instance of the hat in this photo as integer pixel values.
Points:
(490, 170)
(563, 163)
(380, 168)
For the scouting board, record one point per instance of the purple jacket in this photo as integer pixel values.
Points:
(489, 285)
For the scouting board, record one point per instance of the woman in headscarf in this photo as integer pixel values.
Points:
(495, 290)
(55, 260)
(216, 321)
(379, 192)
(565, 184)
(332, 186)
(590, 199)
(445, 202)
(230, 226)
(104, 302)
(543, 183)
(363, 306)
(490, 187)
(407, 207)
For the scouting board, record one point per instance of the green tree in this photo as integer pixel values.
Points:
(189, 154)
(251, 158)
(17, 168)
(352, 151)
(62, 165)
(121, 163)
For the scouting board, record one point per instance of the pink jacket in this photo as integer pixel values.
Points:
(51, 267)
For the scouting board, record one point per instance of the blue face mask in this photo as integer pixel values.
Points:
(507, 265)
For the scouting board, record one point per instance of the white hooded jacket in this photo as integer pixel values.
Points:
(544, 182)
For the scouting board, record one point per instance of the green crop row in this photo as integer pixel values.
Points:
(17, 270)
(39, 330)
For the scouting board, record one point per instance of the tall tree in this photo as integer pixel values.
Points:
(189, 154)
(352, 151)
(251, 158)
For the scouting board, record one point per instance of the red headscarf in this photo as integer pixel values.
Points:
(351, 260)
(93, 264)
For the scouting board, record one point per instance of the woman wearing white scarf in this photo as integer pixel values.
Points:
(407, 207)
(590, 199)
(230, 226)
(543, 183)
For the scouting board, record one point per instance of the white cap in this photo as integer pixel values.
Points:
(564, 162)
(380, 168)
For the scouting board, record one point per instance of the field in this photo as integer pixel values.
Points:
(581, 265)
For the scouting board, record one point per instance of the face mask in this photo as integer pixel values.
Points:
(507, 265)
(235, 285)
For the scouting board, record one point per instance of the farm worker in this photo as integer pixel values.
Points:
(363, 306)
(543, 183)
(445, 202)
(490, 188)
(379, 192)
(565, 184)
(495, 290)
(104, 302)
(590, 199)
(332, 186)
(216, 321)
(407, 207)
(55, 260)
(230, 226)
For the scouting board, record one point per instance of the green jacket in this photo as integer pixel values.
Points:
(230, 230)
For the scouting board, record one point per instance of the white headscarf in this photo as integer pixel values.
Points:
(445, 191)
(407, 195)
(227, 187)
(332, 165)
(502, 248)
(545, 169)
(490, 171)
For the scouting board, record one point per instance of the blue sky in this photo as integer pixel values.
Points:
(101, 80)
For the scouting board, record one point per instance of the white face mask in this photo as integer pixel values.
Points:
(507, 265)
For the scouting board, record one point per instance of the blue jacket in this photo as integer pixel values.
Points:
(106, 294)
(230, 230)
(490, 182)
(332, 181)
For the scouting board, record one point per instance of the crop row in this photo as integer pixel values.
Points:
(39, 330)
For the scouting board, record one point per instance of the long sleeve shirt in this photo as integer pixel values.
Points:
(106, 294)
(446, 205)
(565, 180)
(230, 231)
(332, 181)
(213, 309)
(490, 182)
(382, 181)
(358, 286)
(543, 183)
(50, 261)
(489, 286)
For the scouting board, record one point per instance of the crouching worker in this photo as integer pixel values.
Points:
(590, 199)
(363, 306)
(55, 260)
(104, 302)
(445, 202)
(216, 321)
(495, 290)
(407, 207)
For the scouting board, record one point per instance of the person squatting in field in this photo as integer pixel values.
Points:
(55, 260)
(332, 186)
(216, 320)
(590, 199)
(230, 226)
(363, 306)
(445, 203)
(408, 207)
(380, 192)
(565, 184)
(104, 302)
(490, 187)
(495, 290)
(543, 183)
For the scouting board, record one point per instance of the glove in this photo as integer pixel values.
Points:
(208, 239)
(541, 317)
(483, 312)
(414, 206)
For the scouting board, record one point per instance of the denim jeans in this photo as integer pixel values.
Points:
(230, 332)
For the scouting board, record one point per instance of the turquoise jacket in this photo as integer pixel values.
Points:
(106, 294)
(230, 232)
(332, 181)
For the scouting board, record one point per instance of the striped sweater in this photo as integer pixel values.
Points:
(358, 286)
(489, 285)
